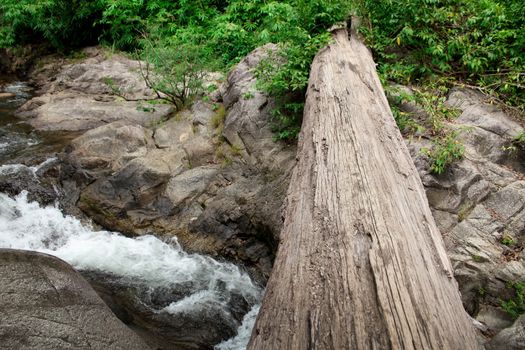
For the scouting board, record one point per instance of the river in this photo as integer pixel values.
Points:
(194, 285)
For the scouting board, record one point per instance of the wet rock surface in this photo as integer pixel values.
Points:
(136, 305)
(46, 304)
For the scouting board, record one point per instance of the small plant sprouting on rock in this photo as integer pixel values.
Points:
(507, 240)
(217, 120)
(236, 150)
(481, 292)
(516, 305)
(446, 150)
(248, 95)
(517, 143)
(477, 258)
(520, 139)
(464, 210)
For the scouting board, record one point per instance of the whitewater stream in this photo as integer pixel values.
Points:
(146, 263)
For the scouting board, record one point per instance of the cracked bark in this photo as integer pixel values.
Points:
(361, 263)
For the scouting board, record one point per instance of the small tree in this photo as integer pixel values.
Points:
(174, 70)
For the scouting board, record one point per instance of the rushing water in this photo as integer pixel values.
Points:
(146, 261)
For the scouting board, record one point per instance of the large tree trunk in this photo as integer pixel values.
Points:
(361, 263)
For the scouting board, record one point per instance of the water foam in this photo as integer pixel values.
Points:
(147, 259)
(240, 341)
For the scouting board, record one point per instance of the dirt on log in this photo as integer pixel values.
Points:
(361, 263)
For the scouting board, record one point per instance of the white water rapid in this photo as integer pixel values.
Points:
(146, 260)
(190, 284)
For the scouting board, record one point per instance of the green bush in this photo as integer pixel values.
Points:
(516, 305)
(175, 68)
(446, 150)
(475, 42)
(63, 23)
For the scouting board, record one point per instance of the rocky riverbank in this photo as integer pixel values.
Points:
(213, 176)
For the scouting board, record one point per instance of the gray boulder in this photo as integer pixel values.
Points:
(46, 304)
(479, 206)
(67, 111)
(512, 338)
(82, 95)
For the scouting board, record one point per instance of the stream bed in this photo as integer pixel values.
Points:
(145, 280)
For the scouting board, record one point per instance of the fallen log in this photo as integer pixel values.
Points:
(361, 263)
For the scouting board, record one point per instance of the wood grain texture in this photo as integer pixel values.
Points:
(361, 263)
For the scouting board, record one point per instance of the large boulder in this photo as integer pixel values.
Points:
(66, 111)
(46, 304)
(248, 124)
(92, 92)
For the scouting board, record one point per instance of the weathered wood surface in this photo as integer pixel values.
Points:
(361, 263)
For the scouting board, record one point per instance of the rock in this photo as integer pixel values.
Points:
(139, 306)
(101, 74)
(46, 304)
(190, 184)
(512, 338)
(477, 113)
(477, 202)
(6, 95)
(173, 133)
(487, 127)
(82, 95)
(243, 220)
(188, 175)
(110, 146)
(247, 125)
(134, 193)
(202, 113)
(77, 112)
(493, 317)
(15, 178)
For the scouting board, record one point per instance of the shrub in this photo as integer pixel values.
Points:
(175, 69)
(516, 305)
(63, 23)
(475, 42)
(445, 151)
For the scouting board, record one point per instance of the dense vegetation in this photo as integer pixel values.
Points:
(430, 44)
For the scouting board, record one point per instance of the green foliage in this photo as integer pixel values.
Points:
(430, 100)
(416, 42)
(519, 141)
(475, 42)
(507, 240)
(175, 68)
(446, 150)
(478, 259)
(63, 23)
(516, 305)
